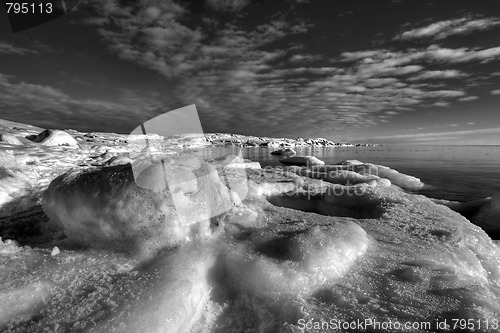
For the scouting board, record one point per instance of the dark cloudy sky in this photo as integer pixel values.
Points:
(363, 71)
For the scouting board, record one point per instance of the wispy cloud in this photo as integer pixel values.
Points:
(227, 5)
(304, 58)
(433, 54)
(495, 92)
(440, 74)
(442, 134)
(443, 29)
(442, 104)
(468, 98)
(9, 49)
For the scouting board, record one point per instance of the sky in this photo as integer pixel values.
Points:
(385, 71)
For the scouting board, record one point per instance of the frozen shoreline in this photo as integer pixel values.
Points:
(272, 249)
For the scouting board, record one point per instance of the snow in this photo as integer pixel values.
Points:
(171, 299)
(10, 139)
(12, 178)
(224, 246)
(297, 263)
(55, 138)
(9, 246)
(55, 251)
(23, 302)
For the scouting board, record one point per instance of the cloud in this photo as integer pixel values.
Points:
(227, 5)
(442, 134)
(9, 49)
(433, 54)
(495, 92)
(444, 29)
(468, 98)
(300, 58)
(445, 93)
(440, 74)
(442, 104)
(253, 80)
(148, 33)
(153, 34)
(480, 55)
(229, 76)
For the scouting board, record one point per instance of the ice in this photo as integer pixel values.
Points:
(54, 138)
(482, 212)
(55, 251)
(296, 263)
(404, 181)
(302, 160)
(13, 179)
(169, 295)
(23, 302)
(10, 139)
(334, 174)
(224, 246)
(488, 216)
(355, 172)
(287, 151)
(106, 208)
(9, 246)
(360, 201)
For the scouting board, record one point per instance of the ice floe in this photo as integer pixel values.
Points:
(286, 151)
(302, 160)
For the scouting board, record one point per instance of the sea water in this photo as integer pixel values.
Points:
(460, 173)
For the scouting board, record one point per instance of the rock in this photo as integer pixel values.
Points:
(302, 160)
(10, 139)
(287, 151)
(54, 138)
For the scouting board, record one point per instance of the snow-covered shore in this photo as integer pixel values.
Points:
(225, 246)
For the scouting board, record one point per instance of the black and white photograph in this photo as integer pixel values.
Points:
(213, 166)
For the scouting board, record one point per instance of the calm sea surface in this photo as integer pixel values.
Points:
(450, 172)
